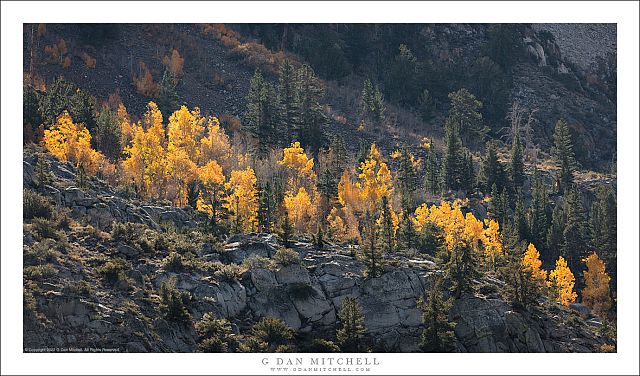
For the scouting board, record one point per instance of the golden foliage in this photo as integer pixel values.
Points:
(89, 61)
(596, 294)
(531, 263)
(184, 130)
(144, 82)
(71, 142)
(374, 179)
(174, 62)
(492, 241)
(242, 202)
(562, 281)
(301, 211)
(216, 144)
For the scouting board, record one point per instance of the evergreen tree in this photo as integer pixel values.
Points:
(468, 177)
(108, 134)
(82, 108)
(516, 168)
(520, 217)
(603, 226)
(574, 230)
(286, 229)
(265, 215)
(30, 114)
(287, 95)
(555, 237)
(261, 114)
(318, 238)
(492, 170)
(461, 267)
(563, 152)
(406, 176)
(385, 224)
(465, 117)
(55, 100)
(311, 113)
(338, 156)
(501, 204)
(350, 335)
(438, 331)
(406, 231)
(401, 83)
(431, 174)
(213, 194)
(193, 192)
(372, 254)
(168, 100)
(328, 184)
(378, 108)
(453, 160)
(366, 100)
(538, 223)
(430, 238)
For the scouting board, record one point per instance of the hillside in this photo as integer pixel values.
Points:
(89, 283)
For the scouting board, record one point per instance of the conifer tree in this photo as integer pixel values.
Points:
(261, 112)
(350, 335)
(372, 253)
(366, 98)
(453, 159)
(287, 95)
(406, 231)
(555, 237)
(265, 215)
(460, 267)
(574, 231)
(468, 177)
(516, 168)
(603, 226)
(563, 152)
(311, 116)
(432, 174)
(492, 170)
(438, 333)
(465, 117)
(338, 156)
(286, 229)
(538, 224)
(520, 217)
(107, 135)
(386, 227)
(406, 176)
(168, 100)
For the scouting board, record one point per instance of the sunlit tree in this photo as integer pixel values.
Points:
(562, 281)
(596, 294)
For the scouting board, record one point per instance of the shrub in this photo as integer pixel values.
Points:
(213, 345)
(487, 289)
(257, 262)
(46, 228)
(251, 344)
(112, 271)
(35, 205)
(173, 262)
(173, 302)
(42, 251)
(77, 288)
(323, 346)
(286, 256)
(272, 331)
(229, 273)
(607, 348)
(210, 326)
(40, 272)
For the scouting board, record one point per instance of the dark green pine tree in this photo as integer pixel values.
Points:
(461, 268)
(407, 235)
(261, 112)
(563, 152)
(378, 109)
(328, 184)
(338, 156)
(371, 252)
(538, 222)
(465, 117)
(265, 213)
(438, 333)
(288, 112)
(214, 195)
(575, 240)
(516, 168)
(168, 99)
(555, 236)
(406, 177)
(311, 116)
(107, 134)
(603, 226)
(491, 170)
(350, 335)
(468, 177)
(431, 178)
(387, 238)
(286, 230)
(55, 100)
(453, 160)
(521, 225)
(30, 114)
(318, 237)
(501, 204)
(366, 99)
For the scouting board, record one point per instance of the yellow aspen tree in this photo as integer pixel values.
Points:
(127, 129)
(71, 142)
(532, 264)
(211, 199)
(348, 193)
(374, 179)
(596, 294)
(335, 225)
(299, 166)
(184, 131)
(421, 217)
(492, 242)
(301, 211)
(180, 171)
(215, 145)
(242, 202)
(562, 281)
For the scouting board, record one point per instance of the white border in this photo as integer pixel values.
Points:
(625, 14)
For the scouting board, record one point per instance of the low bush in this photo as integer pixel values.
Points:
(273, 331)
(82, 288)
(229, 273)
(322, 346)
(112, 271)
(35, 205)
(286, 256)
(173, 302)
(40, 272)
(257, 262)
